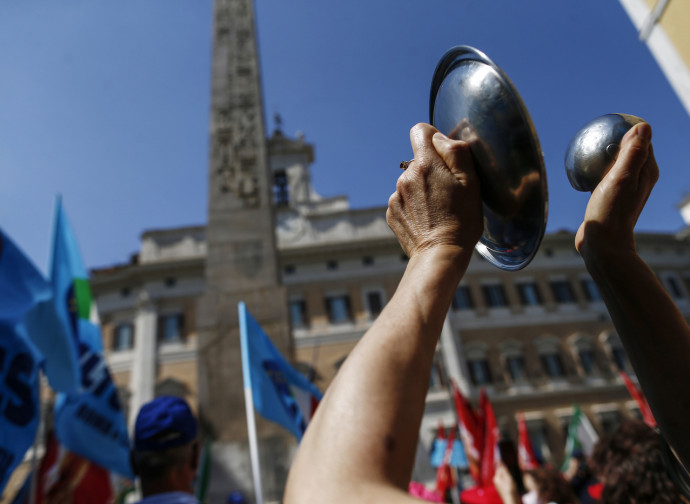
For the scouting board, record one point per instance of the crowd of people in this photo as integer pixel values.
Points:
(626, 466)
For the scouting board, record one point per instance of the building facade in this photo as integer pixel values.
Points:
(662, 25)
(538, 340)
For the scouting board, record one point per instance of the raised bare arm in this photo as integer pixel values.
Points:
(360, 445)
(655, 334)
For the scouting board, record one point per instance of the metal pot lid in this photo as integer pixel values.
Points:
(473, 100)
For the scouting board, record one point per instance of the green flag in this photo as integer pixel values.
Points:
(581, 436)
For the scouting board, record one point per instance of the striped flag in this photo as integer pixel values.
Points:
(526, 456)
(581, 436)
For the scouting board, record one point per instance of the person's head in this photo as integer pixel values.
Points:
(630, 465)
(165, 451)
(550, 486)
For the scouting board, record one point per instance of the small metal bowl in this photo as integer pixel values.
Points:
(473, 100)
(594, 149)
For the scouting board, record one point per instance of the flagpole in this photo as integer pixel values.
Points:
(249, 404)
(34, 455)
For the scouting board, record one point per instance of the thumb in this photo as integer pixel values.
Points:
(633, 154)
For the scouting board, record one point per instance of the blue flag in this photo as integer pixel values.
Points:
(90, 423)
(21, 288)
(26, 297)
(280, 392)
(457, 458)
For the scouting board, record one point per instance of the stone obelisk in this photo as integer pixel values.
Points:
(241, 261)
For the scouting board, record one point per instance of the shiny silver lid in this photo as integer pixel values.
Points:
(473, 100)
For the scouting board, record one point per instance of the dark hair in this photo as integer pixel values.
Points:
(151, 465)
(552, 486)
(630, 465)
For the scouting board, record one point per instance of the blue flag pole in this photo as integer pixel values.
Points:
(249, 403)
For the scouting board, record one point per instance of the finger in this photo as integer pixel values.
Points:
(634, 152)
(425, 154)
(456, 155)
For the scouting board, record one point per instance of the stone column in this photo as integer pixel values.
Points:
(241, 258)
(143, 378)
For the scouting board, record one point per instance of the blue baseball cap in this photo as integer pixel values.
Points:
(164, 423)
(236, 497)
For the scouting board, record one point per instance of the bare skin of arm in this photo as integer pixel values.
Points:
(655, 334)
(360, 445)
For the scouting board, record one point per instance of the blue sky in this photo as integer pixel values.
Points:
(107, 103)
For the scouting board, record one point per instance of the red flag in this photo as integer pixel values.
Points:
(66, 477)
(444, 474)
(490, 444)
(441, 432)
(469, 431)
(641, 400)
(526, 456)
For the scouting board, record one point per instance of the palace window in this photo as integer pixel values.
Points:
(462, 300)
(478, 363)
(552, 363)
(338, 308)
(584, 348)
(171, 328)
(562, 291)
(494, 295)
(516, 368)
(123, 337)
(281, 192)
(529, 293)
(438, 379)
(298, 313)
(514, 359)
(550, 357)
(591, 290)
(374, 301)
(480, 373)
(618, 355)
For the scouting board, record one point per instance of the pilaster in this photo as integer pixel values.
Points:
(143, 377)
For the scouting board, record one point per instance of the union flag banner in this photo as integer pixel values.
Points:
(90, 422)
(280, 392)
